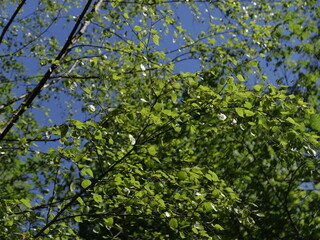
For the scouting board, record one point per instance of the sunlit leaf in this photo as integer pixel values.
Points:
(85, 183)
(173, 223)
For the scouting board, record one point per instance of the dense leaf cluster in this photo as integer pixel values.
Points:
(159, 119)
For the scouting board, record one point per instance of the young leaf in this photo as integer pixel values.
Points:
(315, 121)
(173, 223)
(240, 78)
(97, 198)
(85, 183)
(152, 150)
(239, 112)
(137, 28)
(78, 219)
(155, 39)
(26, 203)
(80, 200)
(108, 221)
(87, 172)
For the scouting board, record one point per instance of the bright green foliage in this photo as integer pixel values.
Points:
(159, 120)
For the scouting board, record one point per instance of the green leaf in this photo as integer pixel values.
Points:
(158, 106)
(249, 113)
(80, 200)
(208, 206)
(78, 124)
(169, 20)
(152, 150)
(72, 186)
(240, 111)
(97, 198)
(170, 113)
(87, 90)
(117, 76)
(85, 183)
(248, 105)
(155, 39)
(8, 223)
(26, 202)
(290, 120)
(182, 175)
(51, 216)
(173, 223)
(78, 219)
(240, 78)
(218, 226)
(174, 97)
(137, 28)
(98, 135)
(214, 176)
(195, 230)
(108, 221)
(212, 41)
(182, 235)
(257, 87)
(87, 172)
(63, 130)
(315, 121)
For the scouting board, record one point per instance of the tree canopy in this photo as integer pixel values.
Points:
(159, 119)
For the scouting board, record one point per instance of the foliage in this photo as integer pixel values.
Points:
(159, 119)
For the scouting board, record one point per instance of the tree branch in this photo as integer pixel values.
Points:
(5, 29)
(72, 39)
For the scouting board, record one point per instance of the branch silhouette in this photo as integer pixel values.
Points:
(72, 39)
(5, 29)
